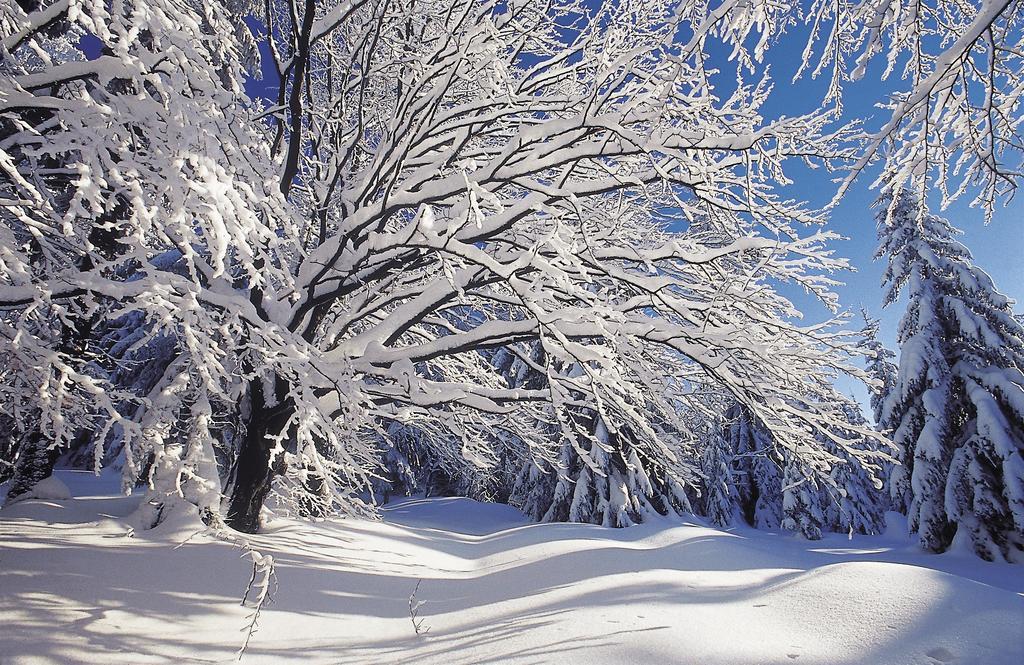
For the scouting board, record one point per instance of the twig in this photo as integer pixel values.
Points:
(263, 576)
(414, 611)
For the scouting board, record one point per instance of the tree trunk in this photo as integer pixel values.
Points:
(254, 469)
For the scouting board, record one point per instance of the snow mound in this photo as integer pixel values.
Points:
(49, 489)
(456, 514)
(511, 592)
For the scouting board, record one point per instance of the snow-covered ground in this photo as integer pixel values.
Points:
(74, 587)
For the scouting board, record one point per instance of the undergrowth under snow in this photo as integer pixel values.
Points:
(77, 585)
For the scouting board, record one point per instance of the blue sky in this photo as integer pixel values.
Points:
(998, 248)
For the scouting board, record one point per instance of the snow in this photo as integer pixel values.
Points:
(52, 488)
(77, 585)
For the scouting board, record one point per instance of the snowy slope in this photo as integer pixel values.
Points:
(75, 588)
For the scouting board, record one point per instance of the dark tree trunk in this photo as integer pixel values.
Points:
(254, 469)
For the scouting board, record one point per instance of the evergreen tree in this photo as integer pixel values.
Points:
(9, 444)
(957, 409)
(758, 466)
(856, 502)
(880, 367)
(720, 497)
(801, 505)
(600, 474)
(34, 462)
(773, 489)
(883, 373)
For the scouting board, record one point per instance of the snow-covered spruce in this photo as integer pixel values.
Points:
(881, 369)
(882, 373)
(769, 488)
(719, 500)
(957, 408)
(756, 469)
(855, 501)
(33, 463)
(431, 461)
(602, 478)
(594, 475)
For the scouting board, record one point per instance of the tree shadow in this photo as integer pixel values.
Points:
(76, 590)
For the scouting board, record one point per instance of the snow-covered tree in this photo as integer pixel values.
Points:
(880, 368)
(955, 72)
(801, 507)
(855, 502)
(758, 467)
(466, 116)
(720, 501)
(436, 180)
(108, 164)
(431, 461)
(34, 462)
(615, 481)
(770, 488)
(8, 447)
(882, 372)
(958, 404)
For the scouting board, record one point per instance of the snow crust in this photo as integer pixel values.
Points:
(77, 585)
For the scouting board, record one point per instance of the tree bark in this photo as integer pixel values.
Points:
(254, 469)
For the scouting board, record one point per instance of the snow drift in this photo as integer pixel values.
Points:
(78, 586)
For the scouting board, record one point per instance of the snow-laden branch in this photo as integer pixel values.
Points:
(438, 183)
